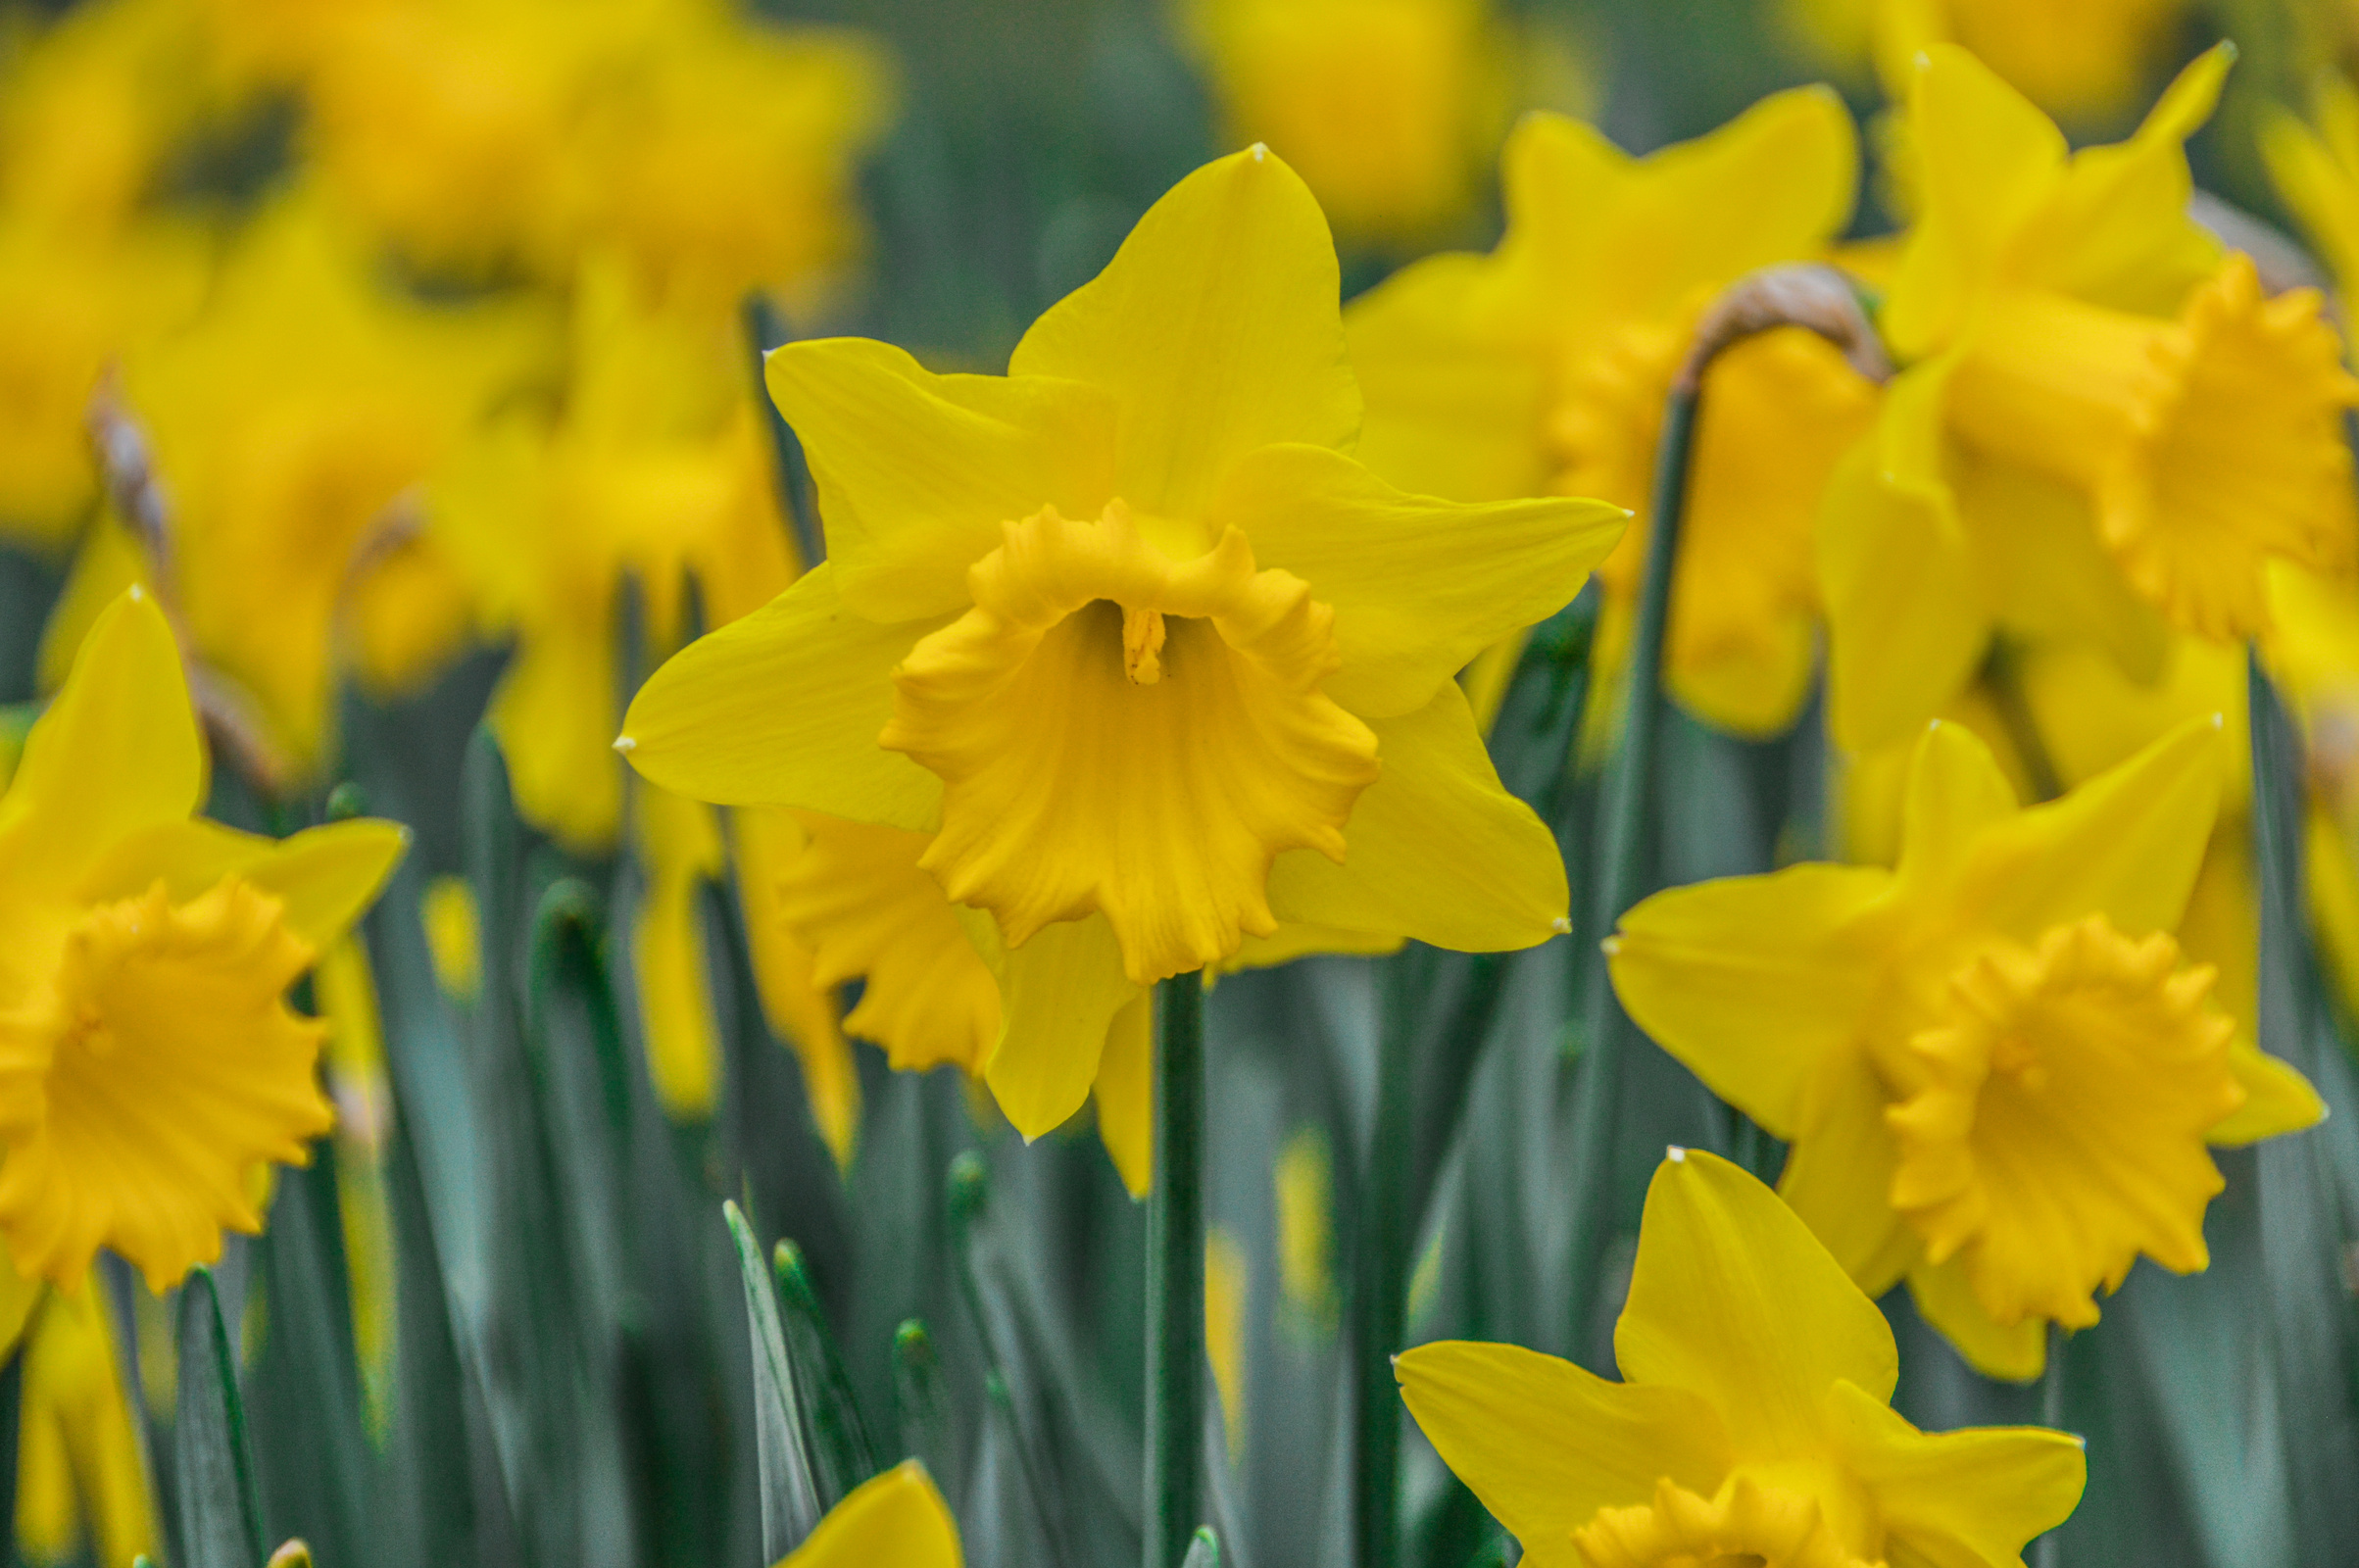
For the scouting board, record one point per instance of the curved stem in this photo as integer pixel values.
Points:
(1175, 1277)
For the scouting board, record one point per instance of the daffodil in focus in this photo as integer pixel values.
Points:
(149, 1063)
(2105, 427)
(897, 1518)
(1545, 365)
(1154, 661)
(2084, 61)
(1386, 108)
(293, 427)
(1753, 1422)
(1998, 1074)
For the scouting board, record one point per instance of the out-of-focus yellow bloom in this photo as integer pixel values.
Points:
(1127, 632)
(454, 936)
(897, 1518)
(2316, 169)
(80, 1475)
(713, 151)
(1546, 365)
(89, 106)
(1228, 1282)
(2084, 61)
(1386, 108)
(2101, 416)
(1304, 1180)
(293, 425)
(1998, 1074)
(1753, 1421)
(144, 961)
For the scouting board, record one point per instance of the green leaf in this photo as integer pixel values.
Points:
(923, 1402)
(836, 1436)
(221, 1516)
(1203, 1551)
(790, 1497)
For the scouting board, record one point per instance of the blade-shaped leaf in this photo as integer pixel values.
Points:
(790, 1496)
(221, 1517)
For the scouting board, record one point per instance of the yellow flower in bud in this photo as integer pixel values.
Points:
(149, 1063)
(1997, 1071)
(1155, 665)
(292, 427)
(1753, 1421)
(897, 1518)
(81, 1472)
(2101, 417)
(1386, 108)
(1545, 365)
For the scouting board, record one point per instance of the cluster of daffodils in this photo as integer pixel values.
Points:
(1172, 652)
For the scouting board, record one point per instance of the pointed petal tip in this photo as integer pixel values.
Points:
(625, 744)
(1260, 151)
(1562, 925)
(1675, 1155)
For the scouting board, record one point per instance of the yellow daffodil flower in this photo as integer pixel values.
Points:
(660, 472)
(292, 428)
(897, 1518)
(1753, 1420)
(523, 133)
(1156, 663)
(1545, 366)
(1386, 108)
(90, 105)
(148, 1061)
(81, 1473)
(2101, 417)
(1996, 1072)
(2316, 169)
(2084, 61)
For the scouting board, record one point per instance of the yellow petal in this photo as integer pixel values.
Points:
(1839, 1174)
(325, 876)
(1059, 994)
(117, 750)
(2046, 573)
(2322, 188)
(783, 708)
(2013, 1352)
(1905, 618)
(800, 1010)
(858, 898)
(2116, 230)
(1437, 850)
(679, 849)
(916, 471)
(1733, 1300)
(1419, 585)
(454, 936)
(897, 1519)
(1455, 385)
(1955, 791)
(1217, 327)
(2278, 1098)
(2127, 844)
(78, 1436)
(1986, 159)
(1750, 981)
(1544, 1444)
(1228, 1283)
(1968, 1497)
(1126, 1093)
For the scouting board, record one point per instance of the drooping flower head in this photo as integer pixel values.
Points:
(1155, 662)
(1753, 1421)
(148, 1059)
(1545, 365)
(1998, 1074)
(2104, 427)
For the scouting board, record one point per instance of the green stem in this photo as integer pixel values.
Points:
(2048, 1550)
(2003, 677)
(1621, 864)
(1175, 1277)
(1380, 1277)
